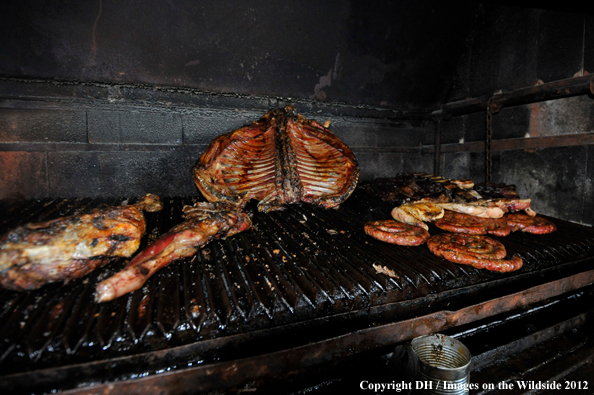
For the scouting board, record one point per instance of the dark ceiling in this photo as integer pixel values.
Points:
(397, 54)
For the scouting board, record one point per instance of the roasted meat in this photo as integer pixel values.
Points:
(469, 224)
(203, 222)
(395, 232)
(407, 187)
(506, 205)
(421, 197)
(417, 213)
(480, 252)
(474, 210)
(280, 159)
(496, 191)
(529, 224)
(71, 247)
(458, 190)
(411, 187)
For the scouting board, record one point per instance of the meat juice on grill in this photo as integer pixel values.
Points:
(71, 247)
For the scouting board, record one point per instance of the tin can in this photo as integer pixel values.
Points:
(437, 365)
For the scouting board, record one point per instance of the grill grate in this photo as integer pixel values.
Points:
(292, 269)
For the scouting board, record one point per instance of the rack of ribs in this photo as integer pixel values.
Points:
(280, 159)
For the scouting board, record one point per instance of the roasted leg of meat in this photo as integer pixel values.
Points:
(71, 247)
(203, 222)
(281, 159)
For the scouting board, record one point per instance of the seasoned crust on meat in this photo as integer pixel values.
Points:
(396, 232)
(280, 159)
(477, 251)
(529, 224)
(469, 224)
(71, 247)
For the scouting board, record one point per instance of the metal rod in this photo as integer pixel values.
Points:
(437, 152)
(548, 91)
(488, 140)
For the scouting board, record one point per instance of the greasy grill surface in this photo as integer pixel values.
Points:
(293, 269)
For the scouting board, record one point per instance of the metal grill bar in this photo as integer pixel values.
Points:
(304, 267)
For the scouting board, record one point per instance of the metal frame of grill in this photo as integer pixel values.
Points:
(296, 291)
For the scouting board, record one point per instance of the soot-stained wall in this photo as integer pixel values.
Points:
(111, 98)
(92, 140)
(545, 148)
(108, 98)
(381, 53)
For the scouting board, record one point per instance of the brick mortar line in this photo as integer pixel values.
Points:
(184, 98)
(142, 147)
(127, 106)
(99, 147)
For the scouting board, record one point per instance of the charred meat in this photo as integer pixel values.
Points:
(203, 222)
(480, 252)
(411, 187)
(395, 232)
(405, 188)
(529, 224)
(280, 159)
(496, 191)
(469, 224)
(71, 247)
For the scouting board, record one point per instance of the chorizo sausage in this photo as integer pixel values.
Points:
(396, 232)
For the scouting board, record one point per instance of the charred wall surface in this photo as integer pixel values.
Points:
(101, 140)
(382, 53)
(107, 98)
(111, 99)
(545, 148)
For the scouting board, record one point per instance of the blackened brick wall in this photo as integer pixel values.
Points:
(84, 140)
(549, 154)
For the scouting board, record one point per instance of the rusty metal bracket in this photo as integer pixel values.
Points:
(491, 109)
(532, 94)
(437, 146)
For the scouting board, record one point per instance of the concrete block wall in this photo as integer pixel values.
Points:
(74, 140)
(546, 149)
(548, 153)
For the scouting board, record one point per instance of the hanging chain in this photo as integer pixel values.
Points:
(488, 139)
